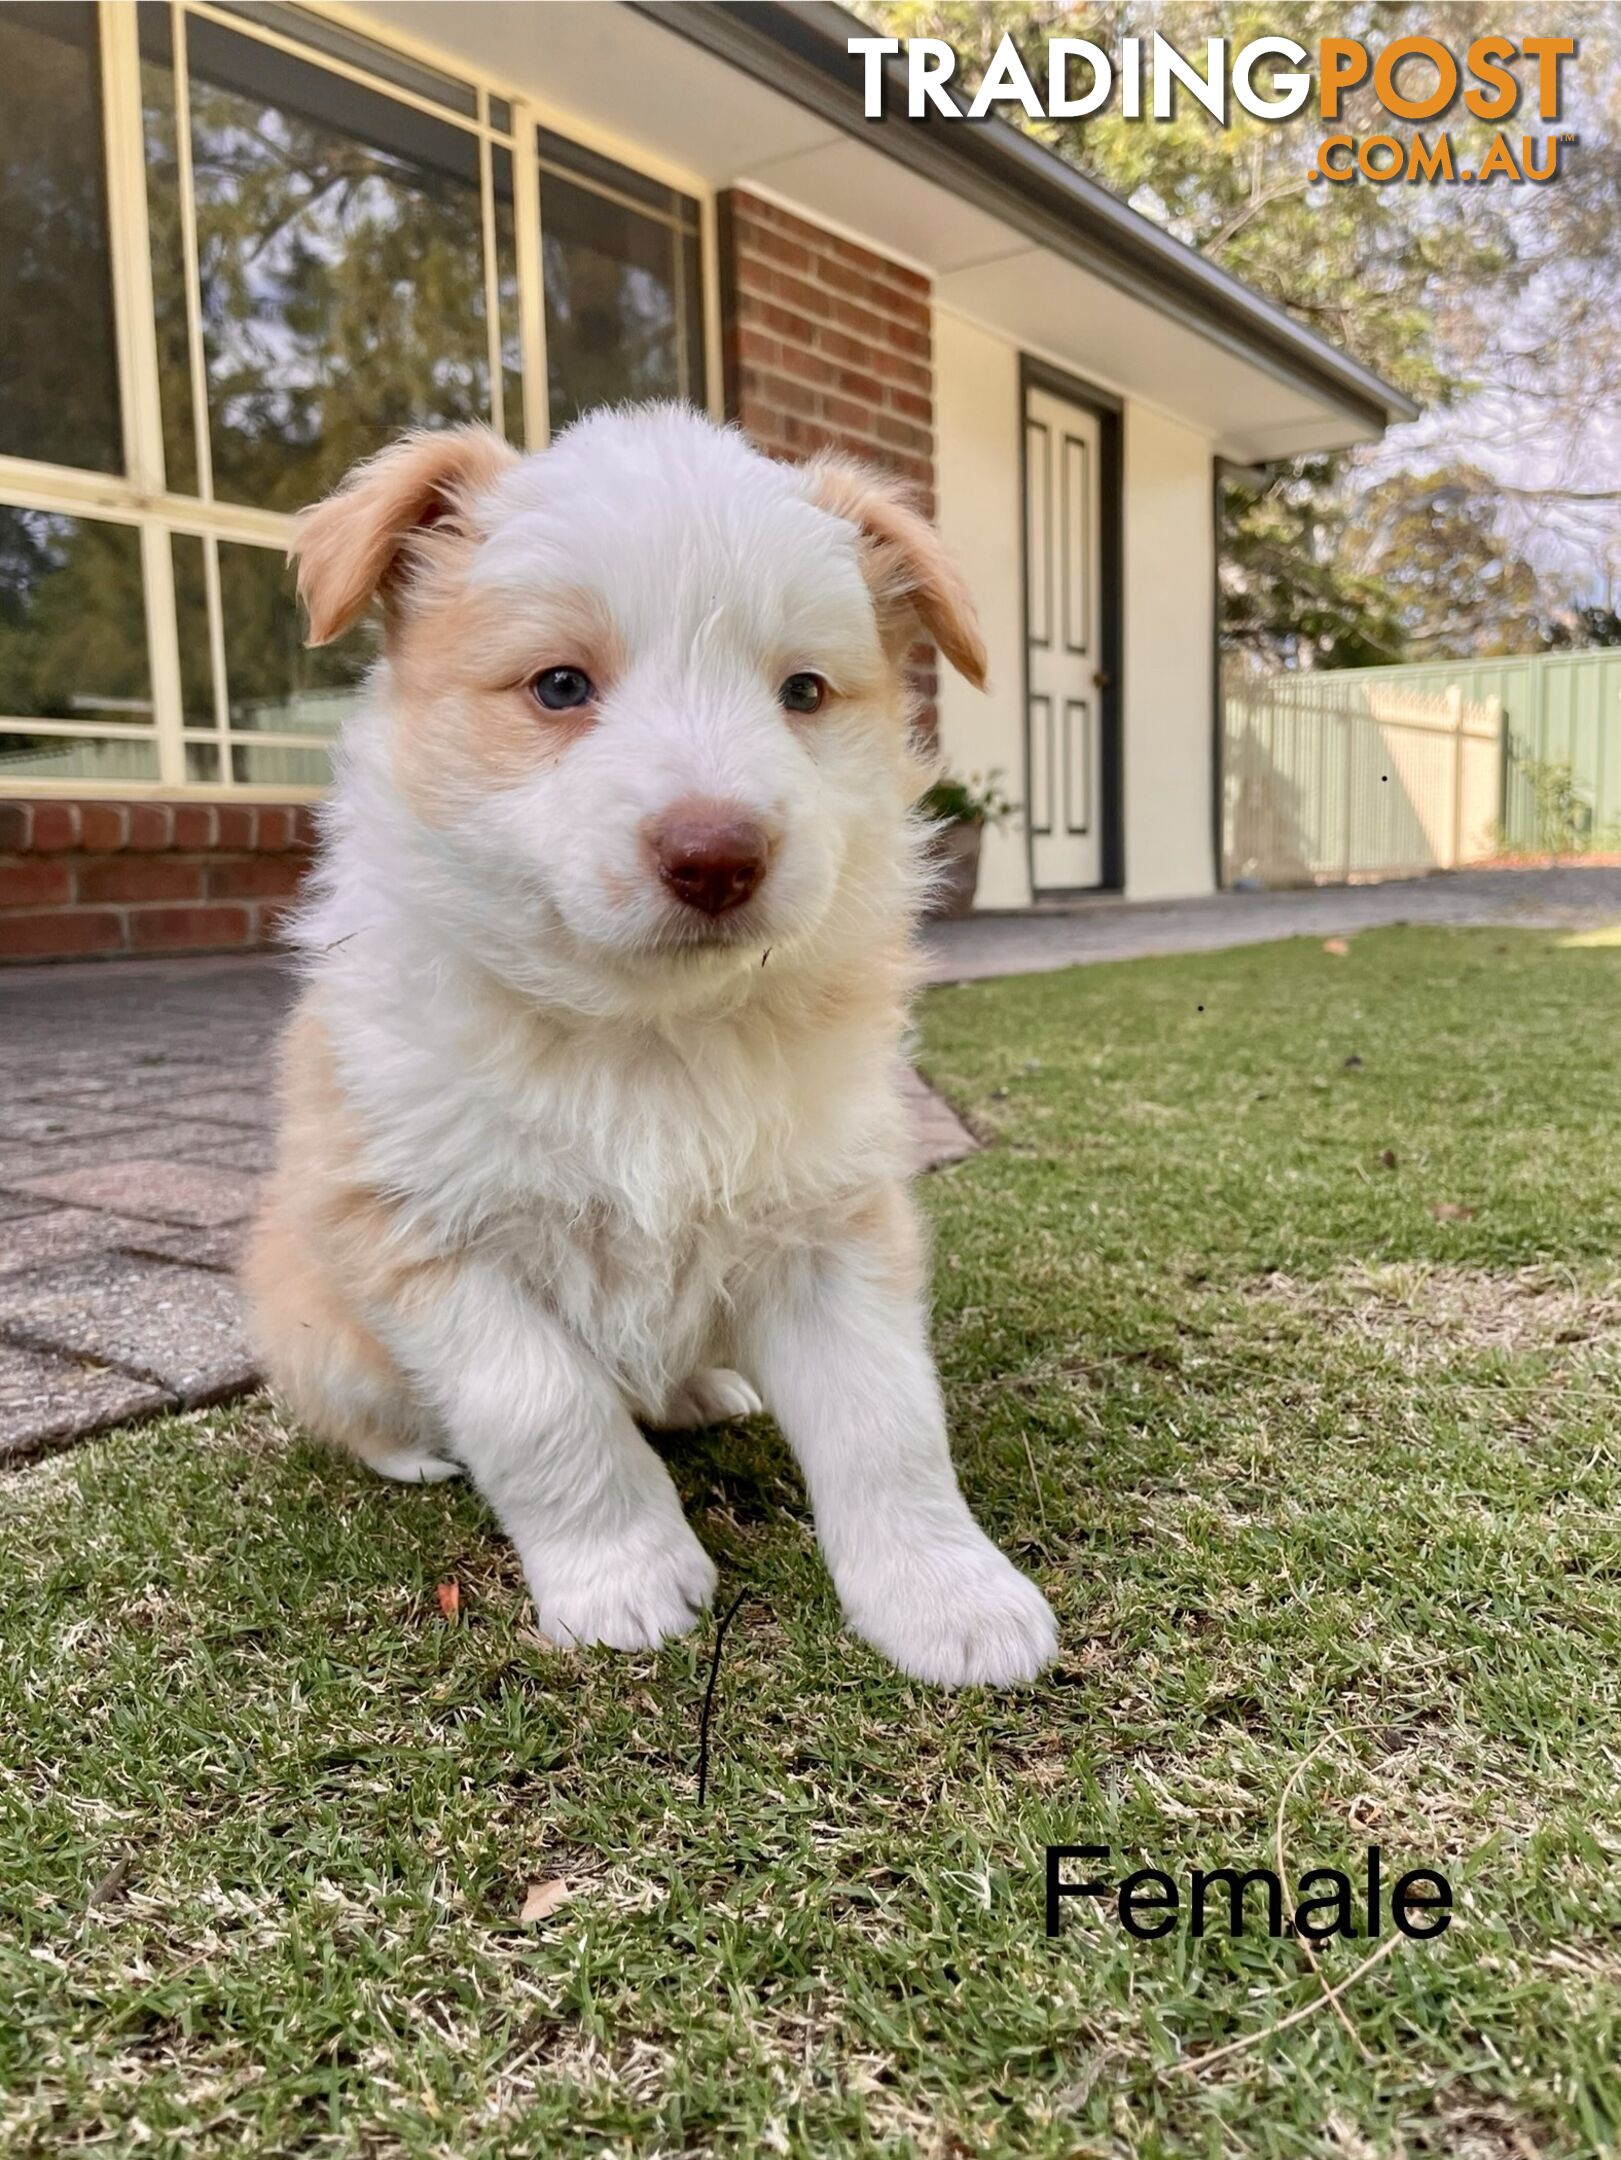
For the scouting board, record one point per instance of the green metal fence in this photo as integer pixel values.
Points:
(1559, 710)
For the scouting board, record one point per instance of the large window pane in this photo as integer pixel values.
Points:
(275, 683)
(624, 314)
(340, 245)
(72, 620)
(58, 353)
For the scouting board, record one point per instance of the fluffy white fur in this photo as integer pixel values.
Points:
(578, 1159)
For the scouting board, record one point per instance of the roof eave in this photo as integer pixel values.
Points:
(801, 51)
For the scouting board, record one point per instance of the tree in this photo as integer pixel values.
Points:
(1498, 307)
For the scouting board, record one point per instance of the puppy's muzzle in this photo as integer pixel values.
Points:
(711, 856)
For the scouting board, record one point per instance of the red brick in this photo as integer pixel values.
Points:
(273, 829)
(32, 883)
(180, 929)
(141, 877)
(62, 936)
(103, 826)
(256, 877)
(14, 823)
(194, 825)
(149, 826)
(235, 827)
(55, 826)
(304, 826)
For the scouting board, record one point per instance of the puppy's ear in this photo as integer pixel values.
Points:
(905, 563)
(350, 546)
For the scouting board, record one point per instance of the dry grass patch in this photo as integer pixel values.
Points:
(1425, 1313)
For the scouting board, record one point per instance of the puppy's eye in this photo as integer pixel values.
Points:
(561, 689)
(802, 694)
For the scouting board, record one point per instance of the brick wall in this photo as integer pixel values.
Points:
(82, 880)
(827, 346)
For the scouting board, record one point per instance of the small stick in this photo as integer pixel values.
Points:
(709, 1693)
(1293, 1780)
(1191, 2063)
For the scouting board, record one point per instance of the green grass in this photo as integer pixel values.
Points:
(1302, 1467)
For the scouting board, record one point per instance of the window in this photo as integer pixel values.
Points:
(73, 650)
(343, 241)
(340, 263)
(58, 348)
(624, 293)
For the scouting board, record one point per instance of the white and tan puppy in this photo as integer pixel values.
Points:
(591, 1112)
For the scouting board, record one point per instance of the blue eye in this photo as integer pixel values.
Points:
(802, 694)
(563, 689)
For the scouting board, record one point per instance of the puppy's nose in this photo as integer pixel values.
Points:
(710, 855)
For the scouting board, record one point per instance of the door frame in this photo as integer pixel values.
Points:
(1107, 410)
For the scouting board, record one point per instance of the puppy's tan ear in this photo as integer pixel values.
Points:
(349, 546)
(905, 562)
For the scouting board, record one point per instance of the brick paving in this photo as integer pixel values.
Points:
(135, 1109)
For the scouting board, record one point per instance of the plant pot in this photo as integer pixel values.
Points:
(954, 860)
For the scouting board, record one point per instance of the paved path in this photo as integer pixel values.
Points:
(1118, 930)
(135, 1109)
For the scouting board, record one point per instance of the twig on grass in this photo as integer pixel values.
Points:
(1294, 1777)
(709, 1692)
(1191, 2063)
(1041, 1505)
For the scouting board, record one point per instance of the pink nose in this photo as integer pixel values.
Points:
(710, 855)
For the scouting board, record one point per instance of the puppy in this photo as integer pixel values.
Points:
(590, 1105)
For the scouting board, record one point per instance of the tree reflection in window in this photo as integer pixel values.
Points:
(340, 254)
(58, 366)
(624, 311)
(72, 620)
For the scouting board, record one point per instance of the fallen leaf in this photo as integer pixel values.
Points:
(1337, 946)
(1353, 1063)
(543, 1900)
(449, 1595)
(1387, 1156)
(1452, 1211)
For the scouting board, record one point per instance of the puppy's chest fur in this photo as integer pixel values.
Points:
(632, 1179)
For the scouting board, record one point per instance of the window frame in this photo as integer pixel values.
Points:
(140, 496)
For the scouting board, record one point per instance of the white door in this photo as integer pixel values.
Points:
(1063, 623)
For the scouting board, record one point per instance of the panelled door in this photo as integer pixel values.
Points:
(1063, 624)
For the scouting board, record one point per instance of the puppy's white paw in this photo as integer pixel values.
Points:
(710, 1397)
(631, 1592)
(414, 1466)
(949, 1609)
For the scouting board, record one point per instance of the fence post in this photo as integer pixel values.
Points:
(1494, 717)
(1455, 722)
(1348, 781)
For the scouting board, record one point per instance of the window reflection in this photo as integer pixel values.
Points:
(72, 620)
(160, 128)
(275, 683)
(58, 354)
(624, 315)
(340, 249)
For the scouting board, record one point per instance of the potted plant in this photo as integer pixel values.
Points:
(959, 811)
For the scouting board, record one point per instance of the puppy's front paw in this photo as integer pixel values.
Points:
(631, 1592)
(950, 1609)
(710, 1397)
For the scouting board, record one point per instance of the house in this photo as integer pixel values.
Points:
(243, 245)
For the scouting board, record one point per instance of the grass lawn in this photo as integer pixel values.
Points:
(1304, 1464)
